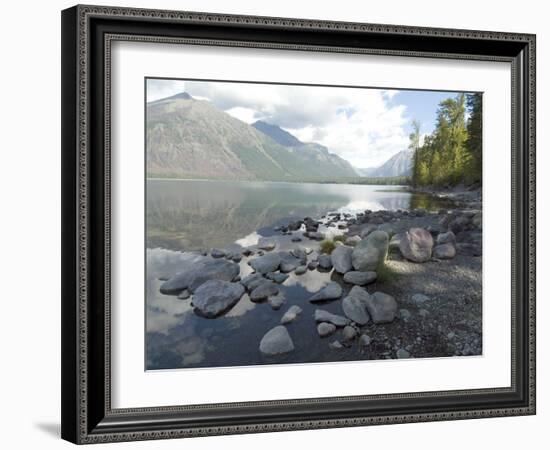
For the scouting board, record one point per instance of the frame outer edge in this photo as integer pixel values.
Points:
(75, 209)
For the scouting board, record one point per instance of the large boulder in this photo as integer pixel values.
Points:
(371, 252)
(331, 291)
(266, 263)
(325, 262)
(381, 307)
(341, 259)
(360, 278)
(417, 245)
(199, 273)
(367, 229)
(354, 305)
(276, 341)
(215, 297)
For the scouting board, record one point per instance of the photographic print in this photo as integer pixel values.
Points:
(310, 224)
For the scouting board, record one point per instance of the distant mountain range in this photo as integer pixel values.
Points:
(187, 137)
(399, 164)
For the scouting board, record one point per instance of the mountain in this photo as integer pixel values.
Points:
(399, 164)
(317, 156)
(187, 137)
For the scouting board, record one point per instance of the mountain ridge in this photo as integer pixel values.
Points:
(187, 137)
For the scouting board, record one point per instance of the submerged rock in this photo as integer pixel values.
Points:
(341, 259)
(215, 297)
(360, 278)
(263, 291)
(266, 263)
(381, 307)
(331, 291)
(276, 341)
(198, 273)
(371, 252)
(291, 314)
(321, 315)
(276, 301)
(266, 244)
(417, 245)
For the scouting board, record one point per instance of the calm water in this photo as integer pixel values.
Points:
(184, 216)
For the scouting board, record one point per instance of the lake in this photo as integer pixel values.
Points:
(185, 217)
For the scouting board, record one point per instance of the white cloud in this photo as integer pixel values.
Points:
(358, 124)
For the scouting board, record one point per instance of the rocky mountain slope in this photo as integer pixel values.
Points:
(399, 164)
(190, 138)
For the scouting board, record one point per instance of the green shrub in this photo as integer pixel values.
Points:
(327, 246)
(339, 238)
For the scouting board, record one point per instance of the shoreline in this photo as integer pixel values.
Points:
(435, 304)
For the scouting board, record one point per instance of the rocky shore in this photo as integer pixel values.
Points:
(407, 284)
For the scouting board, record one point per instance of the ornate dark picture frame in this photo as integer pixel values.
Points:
(87, 34)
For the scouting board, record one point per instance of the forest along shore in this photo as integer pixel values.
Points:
(408, 283)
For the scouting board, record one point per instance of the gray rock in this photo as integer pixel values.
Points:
(418, 299)
(278, 277)
(459, 224)
(368, 229)
(402, 354)
(184, 295)
(289, 262)
(381, 307)
(291, 314)
(215, 297)
(325, 262)
(349, 333)
(371, 252)
(217, 253)
(252, 281)
(446, 238)
(404, 314)
(266, 243)
(423, 313)
(360, 278)
(312, 265)
(198, 273)
(417, 245)
(263, 291)
(325, 329)
(352, 241)
(335, 345)
(276, 341)
(315, 235)
(364, 340)
(331, 291)
(296, 239)
(276, 301)
(341, 259)
(444, 251)
(354, 305)
(324, 316)
(299, 253)
(395, 242)
(300, 270)
(266, 263)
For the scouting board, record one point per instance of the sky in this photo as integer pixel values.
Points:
(365, 126)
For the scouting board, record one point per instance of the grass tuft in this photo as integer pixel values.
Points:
(327, 246)
(385, 273)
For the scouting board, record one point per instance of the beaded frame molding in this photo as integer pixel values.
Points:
(87, 35)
